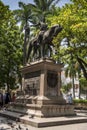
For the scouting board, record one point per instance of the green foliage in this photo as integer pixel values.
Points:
(42, 8)
(11, 50)
(73, 49)
(83, 83)
(24, 16)
(4, 12)
(65, 88)
(73, 18)
(79, 101)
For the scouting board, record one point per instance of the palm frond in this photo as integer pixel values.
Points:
(21, 4)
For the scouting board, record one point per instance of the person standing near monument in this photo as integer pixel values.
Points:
(1, 99)
(8, 97)
(69, 99)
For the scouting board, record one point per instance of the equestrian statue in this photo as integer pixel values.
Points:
(42, 44)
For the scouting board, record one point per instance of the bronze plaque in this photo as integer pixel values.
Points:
(32, 83)
(52, 79)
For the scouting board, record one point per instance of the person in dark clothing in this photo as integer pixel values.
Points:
(1, 99)
(8, 98)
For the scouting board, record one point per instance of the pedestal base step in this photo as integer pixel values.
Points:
(43, 110)
(45, 122)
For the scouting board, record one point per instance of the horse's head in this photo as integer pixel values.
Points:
(54, 30)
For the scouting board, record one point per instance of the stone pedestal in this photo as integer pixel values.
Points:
(41, 85)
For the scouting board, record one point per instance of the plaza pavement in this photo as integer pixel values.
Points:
(8, 124)
(80, 117)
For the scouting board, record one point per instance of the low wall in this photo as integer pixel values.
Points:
(80, 106)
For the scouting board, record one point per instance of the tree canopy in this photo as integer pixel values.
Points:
(70, 44)
(73, 39)
(10, 48)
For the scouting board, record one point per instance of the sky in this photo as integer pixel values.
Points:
(13, 4)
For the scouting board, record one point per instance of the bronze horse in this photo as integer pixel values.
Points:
(43, 41)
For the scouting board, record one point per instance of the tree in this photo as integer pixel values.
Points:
(83, 83)
(10, 48)
(4, 12)
(42, 8)
(71, 72)
(74, 40)
(24, 16)
(66, 87)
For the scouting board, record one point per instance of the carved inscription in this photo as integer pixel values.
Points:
(32, 83)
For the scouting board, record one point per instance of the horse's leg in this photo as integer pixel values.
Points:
(34, 54)
(35, 51)
(45, 50)
(29, 51)
(38, 52)
(50, 49)
(41, 49)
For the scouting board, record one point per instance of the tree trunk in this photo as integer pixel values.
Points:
(79, 90)
(86, 94)
(24, 51)
(79, 86)
(73, 86)
(26, 40)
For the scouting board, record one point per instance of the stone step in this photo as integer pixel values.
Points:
(45, 122)
(10, 114)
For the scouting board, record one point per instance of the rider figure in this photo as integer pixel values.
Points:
(43, 28)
